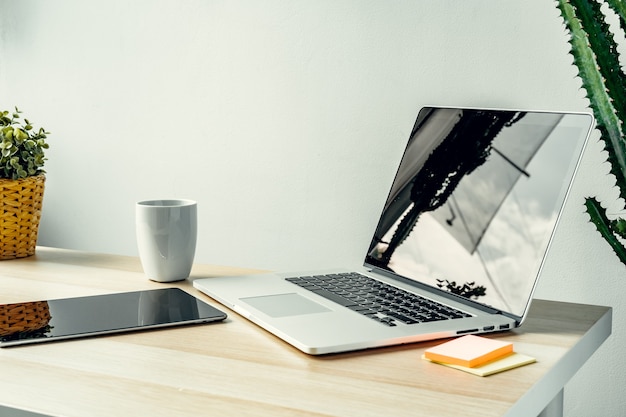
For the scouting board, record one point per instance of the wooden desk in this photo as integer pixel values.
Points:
(235, 368)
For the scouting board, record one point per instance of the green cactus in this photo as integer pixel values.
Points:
(597, 58)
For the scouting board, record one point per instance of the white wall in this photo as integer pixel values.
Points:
(285, 121)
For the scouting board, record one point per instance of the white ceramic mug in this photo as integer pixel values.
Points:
(166, 238)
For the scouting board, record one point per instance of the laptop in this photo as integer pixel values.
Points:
(457, 250)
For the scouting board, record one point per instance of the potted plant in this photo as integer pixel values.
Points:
(596, 54)
(22, 181)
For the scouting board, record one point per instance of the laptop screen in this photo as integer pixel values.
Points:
(475, 201)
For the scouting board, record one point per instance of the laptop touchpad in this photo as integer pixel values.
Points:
(283, 305)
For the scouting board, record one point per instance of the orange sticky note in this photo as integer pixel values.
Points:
(469, 351)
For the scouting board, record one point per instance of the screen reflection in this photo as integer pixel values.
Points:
(475, 201)
(73, 317)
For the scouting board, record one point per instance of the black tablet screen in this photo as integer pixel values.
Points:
(42, 321)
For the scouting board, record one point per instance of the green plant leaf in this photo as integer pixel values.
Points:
(21, 148)
(593, 80)
(597, 213)
(597, 57)
(619, 7)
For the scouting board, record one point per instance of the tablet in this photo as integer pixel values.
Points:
(68, 318)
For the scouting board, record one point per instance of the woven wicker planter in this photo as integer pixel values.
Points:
(20, 202)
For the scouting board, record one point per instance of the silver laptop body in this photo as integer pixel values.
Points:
(466, 225)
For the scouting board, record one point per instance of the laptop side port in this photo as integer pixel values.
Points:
(504, 326)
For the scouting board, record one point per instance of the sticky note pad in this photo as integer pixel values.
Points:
(511, 361)
(469, 351)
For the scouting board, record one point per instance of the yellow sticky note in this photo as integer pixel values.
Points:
(511, 361)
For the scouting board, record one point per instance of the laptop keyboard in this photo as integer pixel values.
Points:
(377, 300)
